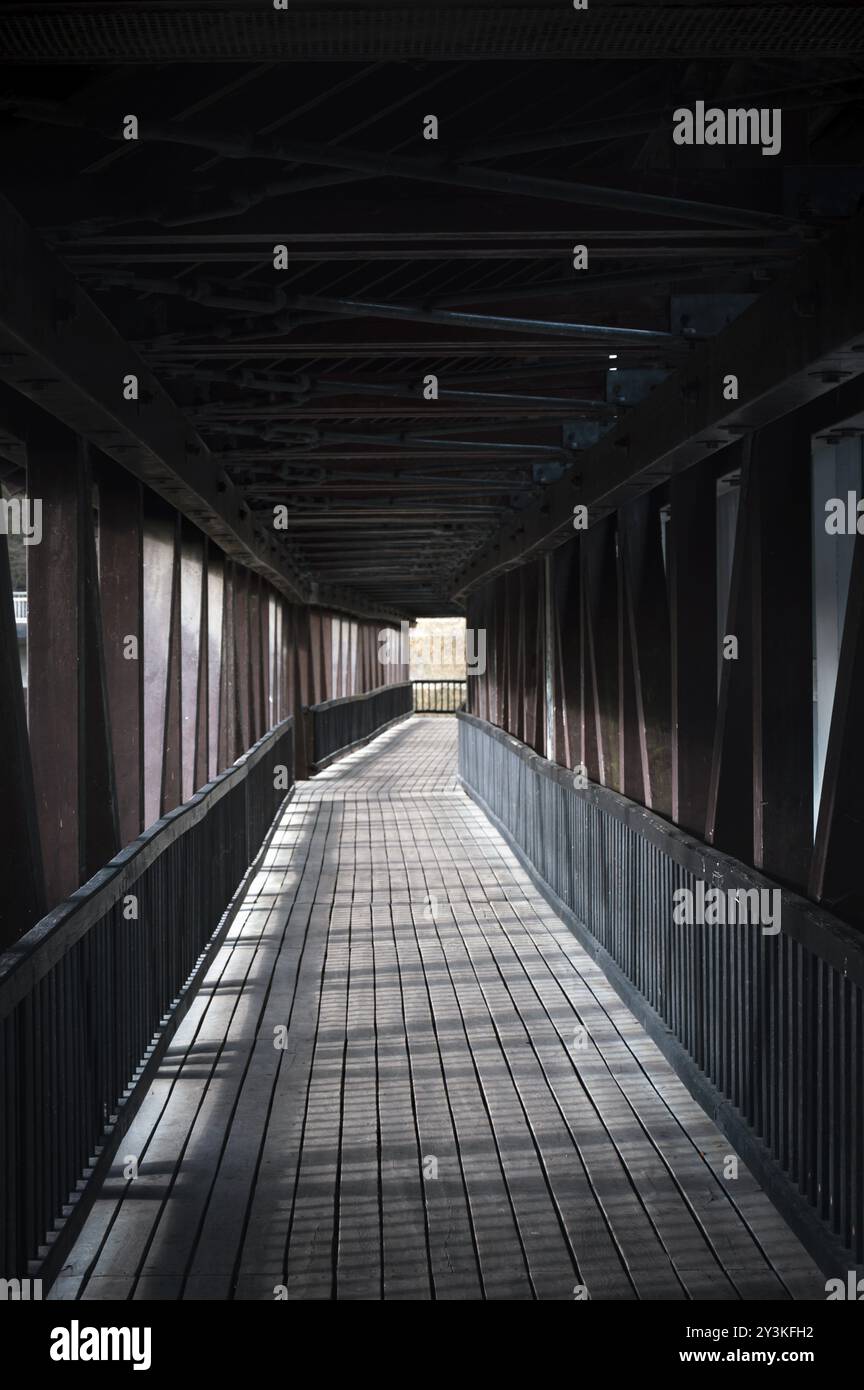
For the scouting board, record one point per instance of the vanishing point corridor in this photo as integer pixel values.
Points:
(403, 1078)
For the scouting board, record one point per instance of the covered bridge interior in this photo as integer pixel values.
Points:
(320, 319)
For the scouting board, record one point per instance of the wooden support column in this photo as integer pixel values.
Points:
(729, 813)
(202, 700)
(22, 886)
(532, 666)
(630, 760)
(227, 683)
(97, 793)
(835, 876)
(506, 680)
(267, 703)
(487, 630)
(275, 658)
(647, 634)
(316, 640)
(172, 757)
(121, 554)
(242, 661)
(517, 656)
(692, 559)
(782, 639)
(474, 702)
(159, 546)
(69, 727)
(336, 654)
(566, 629)
(501, 651)
(192, 620)
(600, 588)
(550, 696)
(215, 603)
(302, 635)
(256, 658)
(54, 579)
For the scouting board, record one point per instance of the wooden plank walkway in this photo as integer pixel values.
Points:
(462, 1108)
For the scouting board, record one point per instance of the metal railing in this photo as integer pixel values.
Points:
(767, 1029)
(337, 726)
(439, 696)
(19, 599)
(84, 994)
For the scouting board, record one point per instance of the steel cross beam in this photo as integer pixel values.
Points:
(356, 308)
(233, 146)
(58, 349)
(797, 342)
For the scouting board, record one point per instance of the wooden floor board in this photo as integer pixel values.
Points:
(403, 1078)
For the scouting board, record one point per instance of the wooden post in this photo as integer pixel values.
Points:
(22, 887)
(121, 548)
(692, 557)
(647, 635)
(782, 640)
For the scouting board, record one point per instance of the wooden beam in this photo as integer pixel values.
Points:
(835, 877)
(729, 810)
(631, 741)
(172, 734)
(566, 615)
(70, 738)
(121, 553)
(215, 658)
(200, 774)
(22, 886)
(600, 589)
(192, 600)
(692, 560)
(782, 638)
(228, 750)
(54, 596)
(647, 623)
(97, 791)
